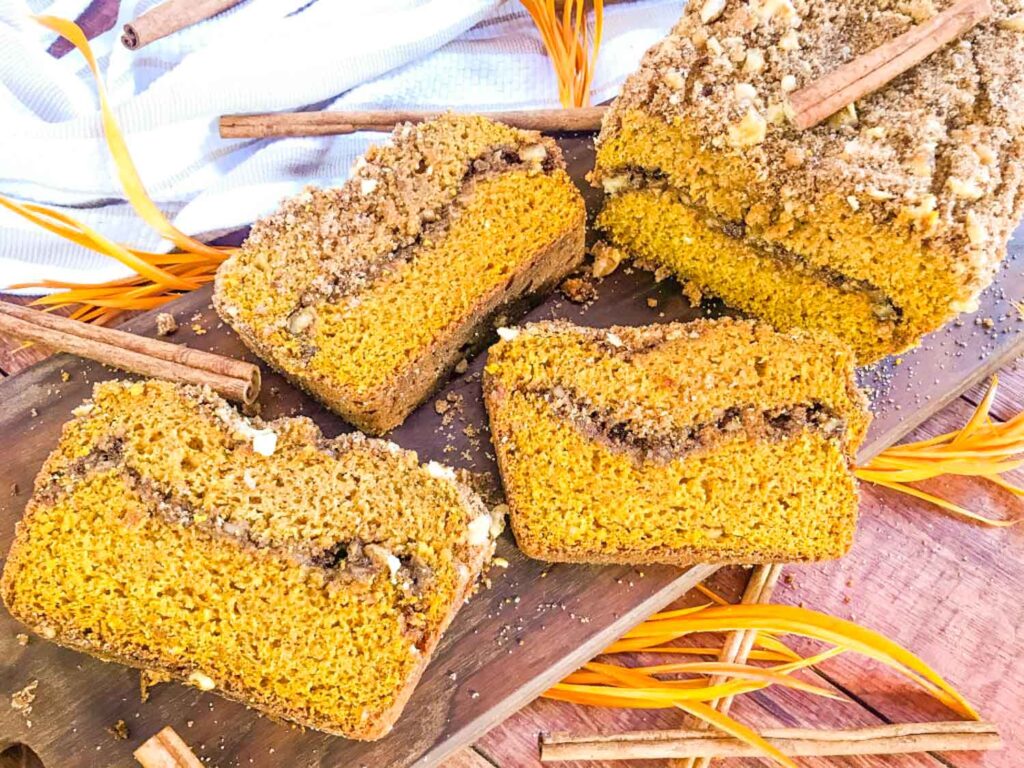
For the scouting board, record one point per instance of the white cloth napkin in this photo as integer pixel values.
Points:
(262, 55)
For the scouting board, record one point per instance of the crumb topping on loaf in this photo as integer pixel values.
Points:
(940, 147)
(399, 194)
(366, 295)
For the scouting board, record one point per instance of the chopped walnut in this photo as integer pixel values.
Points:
(790, 41)
(976, 233)
(1014, 23)
(534, 153)
(301, 320)
(745, 92)
(711, 10)
(606, 259)
(965, 188)
(920, 163)
(613, 184)
(754, 61)
(749, 131)
(675, 79)
(794, 157)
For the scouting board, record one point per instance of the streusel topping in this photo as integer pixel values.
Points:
(941, 145)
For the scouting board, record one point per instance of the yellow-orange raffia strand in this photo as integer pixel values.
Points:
(787, 619)
(608, 685)
(689, 650)
(762, 640)
(159, 277)
(129, 176)
(710, 715)
(122, 254)
(723, 669)
(573, 54)
(982, 448)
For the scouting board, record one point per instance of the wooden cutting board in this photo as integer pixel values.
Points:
(533, 624)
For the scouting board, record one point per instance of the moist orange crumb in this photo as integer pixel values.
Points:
(309, 578)
(712, 441)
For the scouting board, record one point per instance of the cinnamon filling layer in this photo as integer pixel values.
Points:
(641, 178)
(352, 564)
(660, 444)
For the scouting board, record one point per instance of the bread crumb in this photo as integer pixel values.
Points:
(119, 730)
(21, 701)
(22, 639)
(166, 324)
(578, 290)
(692, 293)
(149, 678)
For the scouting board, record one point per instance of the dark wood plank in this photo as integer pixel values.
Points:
(562, 617)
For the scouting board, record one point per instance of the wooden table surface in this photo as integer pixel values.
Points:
(948, 590)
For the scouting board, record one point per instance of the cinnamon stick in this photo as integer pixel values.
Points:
(280, 124)
(738, 644)
(867, 73)
(168, 17)
(235, 379)
(166, 750)
(796, 742)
